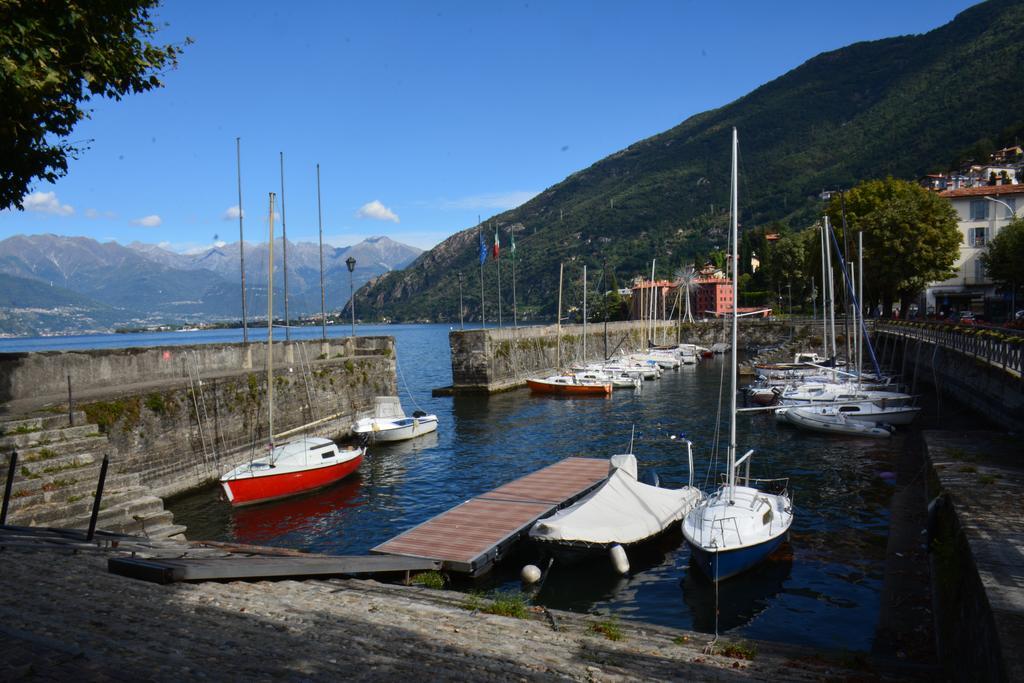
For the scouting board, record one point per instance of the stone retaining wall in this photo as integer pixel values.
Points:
(492, 359)
(194, 418)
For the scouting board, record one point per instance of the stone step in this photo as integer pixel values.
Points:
(66, 487)
(159, 525)
(56, 464)
(40, 422)
(46, 437)
(94, 444)
(61, 514)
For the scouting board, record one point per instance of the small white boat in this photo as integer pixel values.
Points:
(389, 422)
(830, 420)
(897, 414)
(617, 380)
(828, 392)
(668, 361)
(622, 511)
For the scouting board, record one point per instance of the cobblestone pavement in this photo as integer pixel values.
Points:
(64, 617)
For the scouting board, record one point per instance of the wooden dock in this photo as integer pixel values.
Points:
(471, 537)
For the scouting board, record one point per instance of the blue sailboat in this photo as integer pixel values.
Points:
(739, 525)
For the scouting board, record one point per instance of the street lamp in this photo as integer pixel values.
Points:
(351, 263)
(1013, 211)
(1013, 286)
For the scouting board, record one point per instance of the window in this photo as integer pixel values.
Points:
(979, 209)
(977, 237)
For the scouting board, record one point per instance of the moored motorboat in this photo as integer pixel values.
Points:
(299, 466)
(621, 511)
(829, 420)
(568, 385)
(390, 423)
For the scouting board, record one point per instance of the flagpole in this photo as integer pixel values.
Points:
(480, 237)
(497, 257)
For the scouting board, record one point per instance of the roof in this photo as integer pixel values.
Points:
(992, 190)
(659, 283)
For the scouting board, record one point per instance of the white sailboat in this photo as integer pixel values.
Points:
(739, 525)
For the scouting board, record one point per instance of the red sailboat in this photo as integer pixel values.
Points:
(298, 466)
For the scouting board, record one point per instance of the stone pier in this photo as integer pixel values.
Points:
(491, 360)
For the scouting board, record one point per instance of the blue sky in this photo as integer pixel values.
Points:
(422, 115)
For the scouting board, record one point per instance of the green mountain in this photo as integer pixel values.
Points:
(31, 307)
(900, 106)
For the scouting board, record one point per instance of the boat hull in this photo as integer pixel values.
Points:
(725, 564)
(402, 433)
(261, 489)
(542, 387)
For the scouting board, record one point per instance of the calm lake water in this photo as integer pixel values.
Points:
(821, 589)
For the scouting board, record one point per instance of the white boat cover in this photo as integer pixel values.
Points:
(622, 510)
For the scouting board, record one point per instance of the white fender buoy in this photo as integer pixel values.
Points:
(619, 559)
(530, 574)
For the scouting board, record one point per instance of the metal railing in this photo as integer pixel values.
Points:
(1002, 348)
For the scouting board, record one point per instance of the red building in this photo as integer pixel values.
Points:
(713, 296)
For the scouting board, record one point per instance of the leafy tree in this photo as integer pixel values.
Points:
(910, 238)
(1004, 256)
(55, 57)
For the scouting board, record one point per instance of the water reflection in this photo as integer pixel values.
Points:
(302, 518)
(741, 599)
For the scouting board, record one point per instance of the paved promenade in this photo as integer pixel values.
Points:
(64, 617)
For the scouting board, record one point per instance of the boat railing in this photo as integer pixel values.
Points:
(720, 523)
(775, 487)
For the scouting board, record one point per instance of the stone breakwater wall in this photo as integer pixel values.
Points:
(181, 416)
(490, 360)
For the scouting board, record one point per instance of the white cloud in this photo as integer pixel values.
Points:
(501, 201)
(151, 221)
(231, 213)
(47, 202)
(95, 213)
(376, 211)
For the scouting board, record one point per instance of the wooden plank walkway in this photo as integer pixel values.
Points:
(472, 536)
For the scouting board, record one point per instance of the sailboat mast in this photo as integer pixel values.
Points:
(734, 210)
(558, 345)
(831, 290)
(824, 296)
(860, 307)
(323, 296)
(584, 313)
(650, 302)
(284, 248)
(241, 239)
(270, 326)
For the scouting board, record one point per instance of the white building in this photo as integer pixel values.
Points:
(982, 212)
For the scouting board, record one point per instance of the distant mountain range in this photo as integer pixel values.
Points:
(902, 106)
(44, 277)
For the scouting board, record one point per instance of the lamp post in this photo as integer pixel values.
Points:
(351, 263)
(1013, 211)
(1013, 286)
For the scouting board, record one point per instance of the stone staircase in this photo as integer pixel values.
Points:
(57, 472)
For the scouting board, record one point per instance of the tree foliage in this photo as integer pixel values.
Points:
(910, 237)
(55, 56)
(1005, 255)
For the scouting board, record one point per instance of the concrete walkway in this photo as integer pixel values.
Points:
(64, 617)
(981, 475)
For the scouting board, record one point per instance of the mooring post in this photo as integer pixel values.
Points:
(99, 495)
(7, 489)
(71, 407)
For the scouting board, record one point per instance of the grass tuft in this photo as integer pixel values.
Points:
(429, 580)
(739, 650)
(609, 628)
